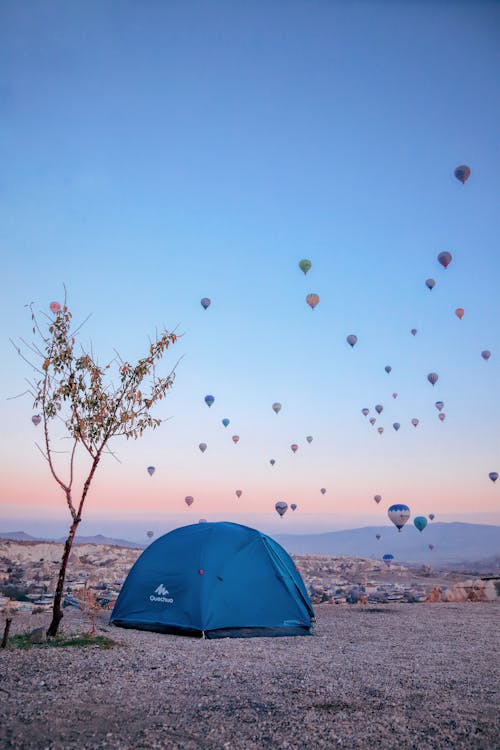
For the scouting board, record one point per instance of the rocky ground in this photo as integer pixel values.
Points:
(399, 677)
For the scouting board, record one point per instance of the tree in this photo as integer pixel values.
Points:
(72, 387)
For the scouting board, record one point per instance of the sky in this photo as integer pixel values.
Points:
(154, 153)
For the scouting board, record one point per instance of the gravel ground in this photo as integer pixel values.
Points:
(398, 676)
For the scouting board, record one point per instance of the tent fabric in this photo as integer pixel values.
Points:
(218, 580)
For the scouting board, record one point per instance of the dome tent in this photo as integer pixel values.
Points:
(218, 580)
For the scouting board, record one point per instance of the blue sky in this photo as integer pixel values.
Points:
(154, 153)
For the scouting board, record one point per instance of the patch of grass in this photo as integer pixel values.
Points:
(23, 641)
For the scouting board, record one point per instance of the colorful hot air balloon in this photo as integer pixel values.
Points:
(445, 258)
(235, 439)
(396, 426)
(312, 300)
(394, 395)
(486, 354)
(462, 173)
(442, 416)
(238, 493)
(36, 419)
(377, 498)
(372, 421)
(209, 400)
(55, 307)
(439, 405)
(432, 516)
(281, 508)
(431, 547)
(202, 447)
(151, 470)
(413, 331)
(459, 312)
(225, 421)
(493, 475)
(399, 514)
(149, 534)
(352, 339)
(365, 412)
(305, 265)
(388, 368)
(380, 430)
(379, 408)
(309, 439)
(276, 407)
(323, 490)
(272, 461)
(189, 500)
(205, 302)
(433, 378)
(388, 558)
(293, 506)
(294, 447)
(378, 536)
(414, 422)
(430, 283)
(420, 522)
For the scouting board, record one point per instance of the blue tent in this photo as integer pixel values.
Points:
(218, 580)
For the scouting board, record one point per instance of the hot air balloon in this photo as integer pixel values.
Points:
(323, 490)
(272, 461)
(394, 395)
(205, 302)
(377, 498)
(378, 536)
(444, 258)
(459, 312)
(55, 307)
(372, 421)
(486, 354)
(235, 439)
(462, 173)
(493, 475)
(151, 470)
(189, 500)
(281, 508)
(238, 493)
(388, 368)
(431, 547)
(414, 422)
(380, 430)
(388, 558)
(430, 283)
(276, 407)
(365, 412)
(225, 421)
(432, 516)
(293, 506)
(399, 514)
(420, 522)
(352, 339)
(379, 408)
(396, 426)
(202, 447)
(149, 534)
(309, 439)
(209, 400)
(294, 447)
(442, 416)
(433, 378)
(413, 331)
(439, 405)
(36, 419)
(305, 265)
(312, 300)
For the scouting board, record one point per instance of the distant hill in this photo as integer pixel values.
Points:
(18, 536)
(453, 542)
(21, 536)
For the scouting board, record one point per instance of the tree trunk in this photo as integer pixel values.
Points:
(6, 632)
(57, 613)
